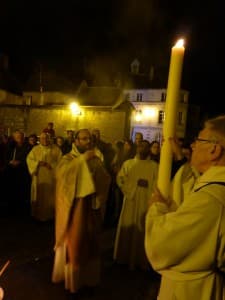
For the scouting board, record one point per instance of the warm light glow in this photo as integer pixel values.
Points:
(1, 293)
(170, 124)
(179, 43)
(75, 108)
(149, 112)
(138, 116)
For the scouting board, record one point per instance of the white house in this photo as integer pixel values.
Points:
(149, 112)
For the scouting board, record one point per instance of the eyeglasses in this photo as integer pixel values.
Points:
(197, 139)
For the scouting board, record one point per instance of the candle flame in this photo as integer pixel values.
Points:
(179, 43)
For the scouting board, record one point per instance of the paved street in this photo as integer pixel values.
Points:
(29, 247)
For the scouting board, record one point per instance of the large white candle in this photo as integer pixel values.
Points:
(169, 126)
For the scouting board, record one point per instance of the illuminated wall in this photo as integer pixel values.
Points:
(34, 119)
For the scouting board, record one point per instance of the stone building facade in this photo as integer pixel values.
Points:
(32, 111)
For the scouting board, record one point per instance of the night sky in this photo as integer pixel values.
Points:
(67, 35)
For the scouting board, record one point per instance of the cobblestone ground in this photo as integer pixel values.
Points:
(29, 247)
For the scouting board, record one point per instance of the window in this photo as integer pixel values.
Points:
(163, 97)
(161, 117)
(180, 118)
(139, 97)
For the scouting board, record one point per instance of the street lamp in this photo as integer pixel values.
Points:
(138, 116)
(75, 108)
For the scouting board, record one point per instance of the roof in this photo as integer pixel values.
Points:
(98, 96)
(141, 81)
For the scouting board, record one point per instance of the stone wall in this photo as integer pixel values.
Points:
(12, 118)
(112, 123)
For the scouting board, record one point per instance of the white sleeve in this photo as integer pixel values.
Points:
(171, 238)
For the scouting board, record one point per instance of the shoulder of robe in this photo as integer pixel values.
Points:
(68, 157)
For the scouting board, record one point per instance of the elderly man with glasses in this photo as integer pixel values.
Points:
(81, 191)
(187, 246)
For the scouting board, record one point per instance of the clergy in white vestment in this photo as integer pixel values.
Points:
(41, 162)
(82, 185)
(187, 246)
(136, 179)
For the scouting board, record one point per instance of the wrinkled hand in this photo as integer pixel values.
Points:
(158, 197)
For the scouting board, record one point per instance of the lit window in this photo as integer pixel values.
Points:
(139, 97)
(163, 97)
(161, 117)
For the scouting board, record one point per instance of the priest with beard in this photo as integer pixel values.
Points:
(81, 191)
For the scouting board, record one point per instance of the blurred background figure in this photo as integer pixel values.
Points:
(118, 156)
(32, 140)
(128, 149)
(3, 147)
(178, 156)
(138, 138)
(96, 149)
(41, 162)
(105, 148)
(186, 150)
(16, 175)
(98, 141)
(115, 198)
(50, 130)
(60, 142)
(155, 151)
(69, 140)
(136, 178)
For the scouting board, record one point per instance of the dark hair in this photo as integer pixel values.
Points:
(60, 137)
(146, 141)
(154, 142)
(129, 141)
(140, 133)
(33, 135)
(119, 144)
(77, 133)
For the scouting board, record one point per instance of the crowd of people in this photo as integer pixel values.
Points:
(85, 185)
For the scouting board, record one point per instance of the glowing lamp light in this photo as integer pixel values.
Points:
(149, 112)
(138, 116)
(75, 108)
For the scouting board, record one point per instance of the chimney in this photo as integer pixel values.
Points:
(135, 66)
(4, 62)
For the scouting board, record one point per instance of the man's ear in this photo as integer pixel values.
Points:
(216, 151)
